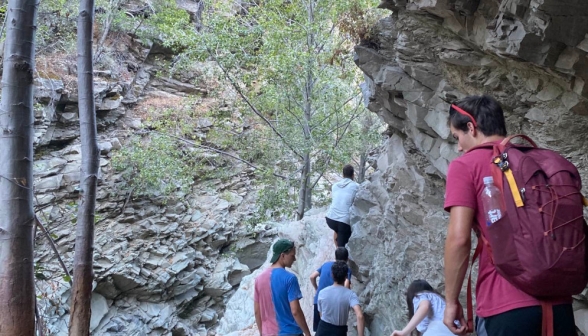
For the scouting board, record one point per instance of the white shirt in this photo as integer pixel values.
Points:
(437, 309)
(343, 194)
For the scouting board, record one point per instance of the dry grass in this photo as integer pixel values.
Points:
(57, 66)
(151, 107)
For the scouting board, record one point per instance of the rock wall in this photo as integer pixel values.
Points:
(528, 54)
(163, 265)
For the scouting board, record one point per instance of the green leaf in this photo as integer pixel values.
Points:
(67, 278)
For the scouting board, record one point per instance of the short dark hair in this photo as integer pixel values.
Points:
(485, 110)
(348, 171)
(339, 270)
(341, 253)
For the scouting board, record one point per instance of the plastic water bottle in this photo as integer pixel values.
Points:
(492, 201)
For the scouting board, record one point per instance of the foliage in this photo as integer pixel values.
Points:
(293, 62)
(163, 22)
(274, 201)
(358, 23)
(155, 165)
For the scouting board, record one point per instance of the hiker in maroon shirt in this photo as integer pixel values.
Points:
(506, 310)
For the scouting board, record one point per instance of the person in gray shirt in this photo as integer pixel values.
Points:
(334, 303)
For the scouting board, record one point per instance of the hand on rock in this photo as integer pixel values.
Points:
(398, 333)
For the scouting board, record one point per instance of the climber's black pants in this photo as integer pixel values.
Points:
(343, 231)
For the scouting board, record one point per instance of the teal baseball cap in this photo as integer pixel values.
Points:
(281, 246)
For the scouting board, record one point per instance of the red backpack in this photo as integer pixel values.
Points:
(540, 244)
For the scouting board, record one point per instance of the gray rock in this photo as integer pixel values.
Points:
(550, 92)
(252, 252)
(110, 103)
(105, 147)
(116, 145)
(99, 308)
(135, 123)
(50, 183)
(208, 315)
(69, 118)
(48, 90)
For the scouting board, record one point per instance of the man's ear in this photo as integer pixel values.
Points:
(472, 129)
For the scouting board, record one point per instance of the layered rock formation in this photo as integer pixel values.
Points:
(528, 54)
(162, 265)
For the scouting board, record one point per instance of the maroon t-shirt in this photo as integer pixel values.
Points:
(494, 294)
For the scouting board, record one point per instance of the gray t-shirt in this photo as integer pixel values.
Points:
(334, 303)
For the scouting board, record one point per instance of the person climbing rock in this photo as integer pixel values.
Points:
(334, 303)
(277, 296)
(425, 311)
(326, 280)
(343, 193)
(478, 121)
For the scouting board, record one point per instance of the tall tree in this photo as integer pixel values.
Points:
(83, 274)
(17, 292)
(291, 61)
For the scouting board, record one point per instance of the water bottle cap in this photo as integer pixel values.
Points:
(488, 180)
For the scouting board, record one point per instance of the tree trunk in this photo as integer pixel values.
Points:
(362, 167)
(304, 183)
(308, 194)
(198, 15)
(79, 323)
(17, 291)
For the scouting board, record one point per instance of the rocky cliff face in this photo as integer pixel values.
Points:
(531, 55)
(163, 265)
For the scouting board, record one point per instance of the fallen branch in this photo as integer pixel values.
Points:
(54, 248)
(122, 210)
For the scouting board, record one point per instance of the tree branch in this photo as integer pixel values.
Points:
(253, 108)
(39, 320)
(53, 247)
(334, 147)
(217, 151)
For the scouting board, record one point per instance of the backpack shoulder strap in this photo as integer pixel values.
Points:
(500, 170)
(508, 139)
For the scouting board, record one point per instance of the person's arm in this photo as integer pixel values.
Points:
(299, 316)
(313, 277)
(457, 256)
(360, 320)
(257, 316)
(419, 315)
(348, 283)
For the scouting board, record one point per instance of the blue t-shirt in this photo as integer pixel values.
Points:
(285, 288)
(326, 278)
